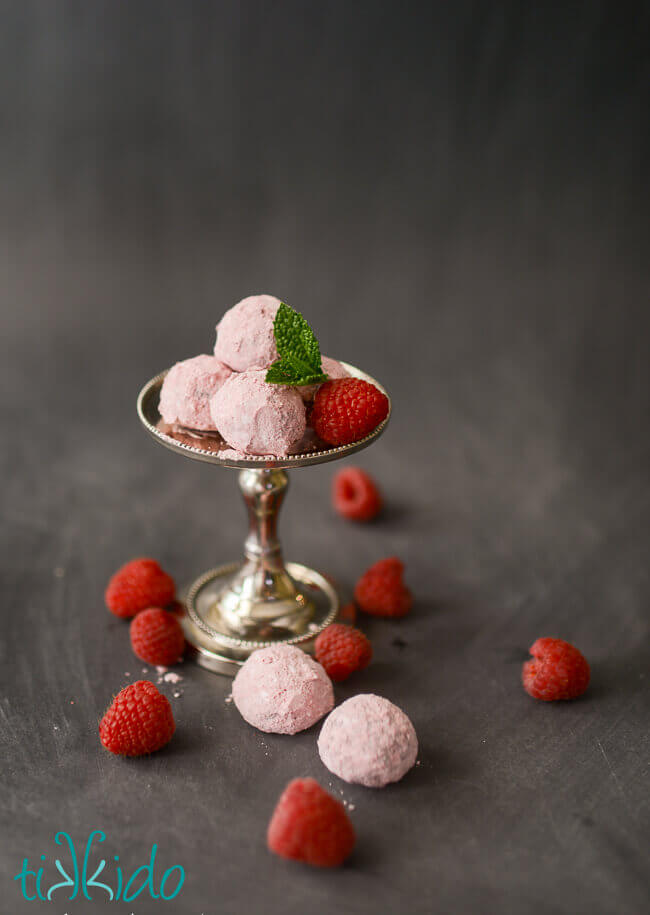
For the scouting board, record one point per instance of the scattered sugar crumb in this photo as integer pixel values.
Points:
(144, 670)
(56, 727)
(172, 677)
(228, 698)
(313, 627)
(161, 670)
(176, 694)
(351, 806)
(58, 572)
(126, 673)
(72, 702)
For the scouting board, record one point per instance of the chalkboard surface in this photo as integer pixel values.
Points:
(454, 196)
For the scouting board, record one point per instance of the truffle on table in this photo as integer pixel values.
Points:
(369, 741)
(282, 690)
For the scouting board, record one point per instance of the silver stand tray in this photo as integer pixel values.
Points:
(236, 608)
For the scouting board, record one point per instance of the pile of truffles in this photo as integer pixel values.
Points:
(227, 392)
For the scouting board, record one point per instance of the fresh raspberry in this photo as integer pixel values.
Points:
(138, 722)
(348, 614)
(342, 650)
(558, 671)
(355, 495)
(381, 589)
(347, 409)
(139, 584)
(309, 825)
(157, 637)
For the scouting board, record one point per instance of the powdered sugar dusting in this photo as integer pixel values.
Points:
(282, 690)
(172, 677)
(369, 741)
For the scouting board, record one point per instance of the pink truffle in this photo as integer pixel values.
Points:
(187, 389)
(245, 337)
(332, 369)
(368, 741)
(282, 690)
(256, 417)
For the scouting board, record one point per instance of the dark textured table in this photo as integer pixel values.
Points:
(455, 198)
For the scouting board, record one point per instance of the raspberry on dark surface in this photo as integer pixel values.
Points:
(157, 637)
(381, 590)
(342, 650)
(311, 826)
(139, 584)
(139, 721)
(557, 671)
(347, 409)
(355, 495)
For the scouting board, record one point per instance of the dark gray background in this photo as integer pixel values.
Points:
(455, 195)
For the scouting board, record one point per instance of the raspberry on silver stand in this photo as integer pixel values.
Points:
(237, 608)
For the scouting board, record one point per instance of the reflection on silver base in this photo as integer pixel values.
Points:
(221, 643)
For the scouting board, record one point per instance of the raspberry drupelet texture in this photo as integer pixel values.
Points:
(157, 637)
(342, 650)
(355, 495)
(139, 721)
(556, 671)
(381, 590)
(347, 409)
(309, 825)
(139, 584)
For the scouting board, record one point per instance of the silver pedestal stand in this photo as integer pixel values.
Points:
(234, 609)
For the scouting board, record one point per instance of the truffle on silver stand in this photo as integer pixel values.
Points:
(234, 609)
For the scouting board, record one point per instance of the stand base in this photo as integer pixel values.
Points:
(216, 647)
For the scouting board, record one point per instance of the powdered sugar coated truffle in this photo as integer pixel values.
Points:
(187, 389)
(368, 741)
(256, 417)
(282, 690)
(245, 338)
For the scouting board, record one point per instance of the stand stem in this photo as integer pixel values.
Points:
(262, 597)
(263, 492)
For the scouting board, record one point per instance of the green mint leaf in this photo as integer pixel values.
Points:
(278, 374)
(284, 373)
(317, 378)
(295, 340)
(300, 360)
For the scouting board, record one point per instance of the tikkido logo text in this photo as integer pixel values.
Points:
(81, 875)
